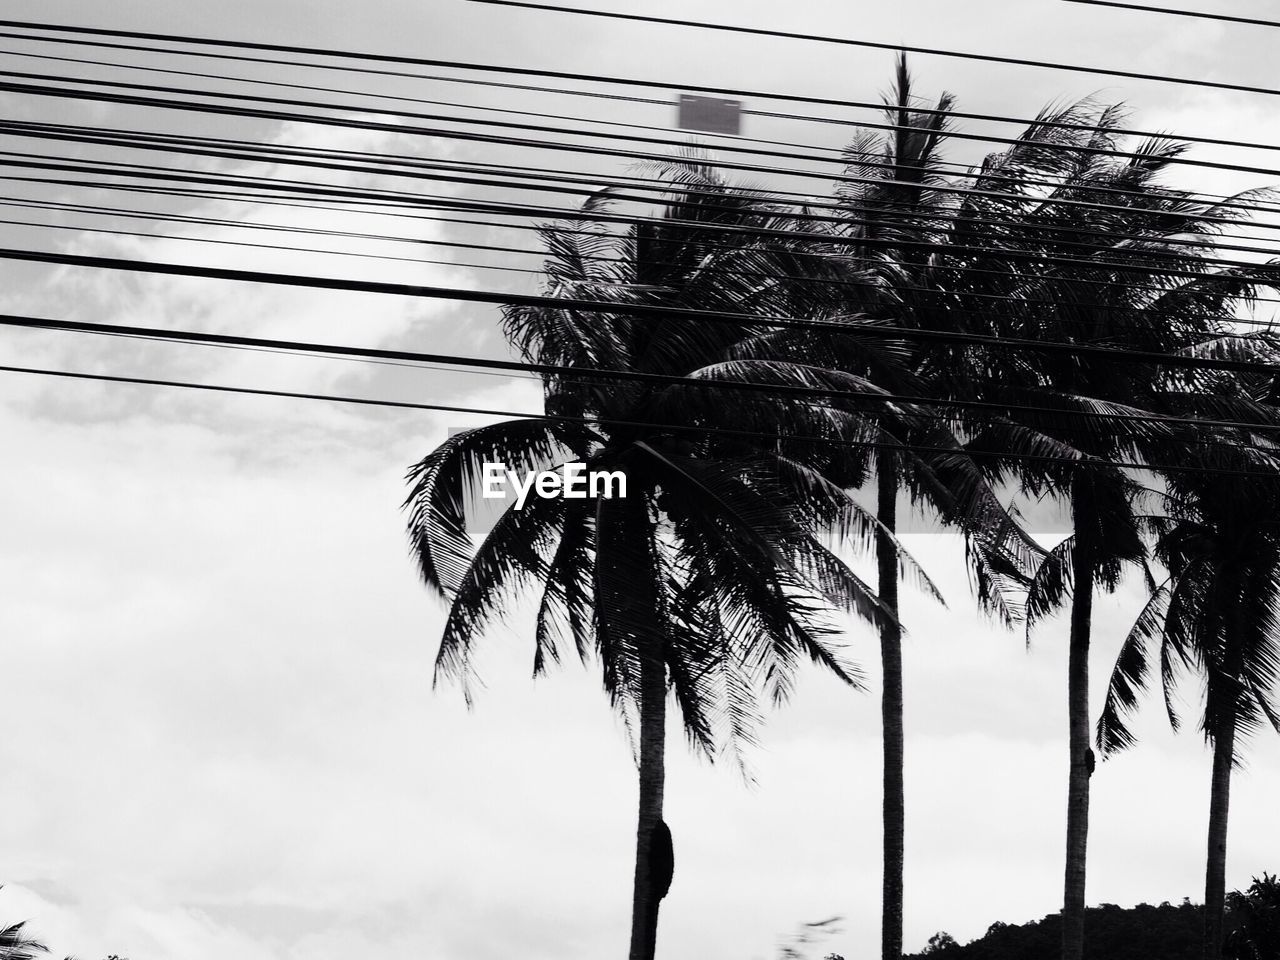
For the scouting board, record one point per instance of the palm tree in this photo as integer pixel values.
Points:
(1218, 612)
(1094, 251)
(707, 580)
(1053, 239)
(878, 264)
(882, 204)
(874, 266)
(883, 260)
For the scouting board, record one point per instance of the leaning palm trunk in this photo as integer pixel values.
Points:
(1215, 882)
(1073, 899)
(650, 884)
(891, 714)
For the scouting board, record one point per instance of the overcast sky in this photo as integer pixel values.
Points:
(221, 738)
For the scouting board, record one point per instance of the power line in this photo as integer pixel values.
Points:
(908, 220)
(165, 217)
(937, 291)
(643, 310)
(168, 141)
(941, 292)
(584, 375)
(1175, 241)
(1199, 14)
(629, 423)
(422, 100)
(554, 74)
(1234, 444)
(153, 172)
(727, 247)
(539, 128)
(946, 293)
(168, 173)
(613, 307)
(267, 246)
(961, 169)
(468, 135)
(871, 45)
(323, 159)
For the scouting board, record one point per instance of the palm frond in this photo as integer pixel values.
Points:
(1129, 676)
(445, 480)
(513, 554)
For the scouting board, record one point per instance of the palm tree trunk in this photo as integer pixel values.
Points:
(1215, 880)
(1073, 900)
(891, 715)
(653, 732)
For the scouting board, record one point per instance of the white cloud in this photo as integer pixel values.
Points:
(221, 737)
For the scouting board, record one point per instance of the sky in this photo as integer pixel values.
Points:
(222, 737)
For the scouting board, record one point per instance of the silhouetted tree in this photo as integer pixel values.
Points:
(1217, 614)
(1254, 921)
(706, 580)
(941, 945)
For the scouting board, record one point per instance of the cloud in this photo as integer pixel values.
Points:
(222, 739)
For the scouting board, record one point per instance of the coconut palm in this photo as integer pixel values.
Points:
(1053, 240)
(1217, 613)
(1049, 240)
(707, 580)
(878, 264)
(883, 204)
(1094, 251)
(883, 260)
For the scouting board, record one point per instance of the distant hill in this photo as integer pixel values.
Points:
(1143, 932)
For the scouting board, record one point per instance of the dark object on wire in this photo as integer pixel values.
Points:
(709, 114)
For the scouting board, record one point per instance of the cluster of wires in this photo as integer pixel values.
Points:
(141, 181)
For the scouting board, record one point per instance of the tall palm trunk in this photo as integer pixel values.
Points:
(1215, 880)
(653, 732)
(1073, 900)
(891, 714)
